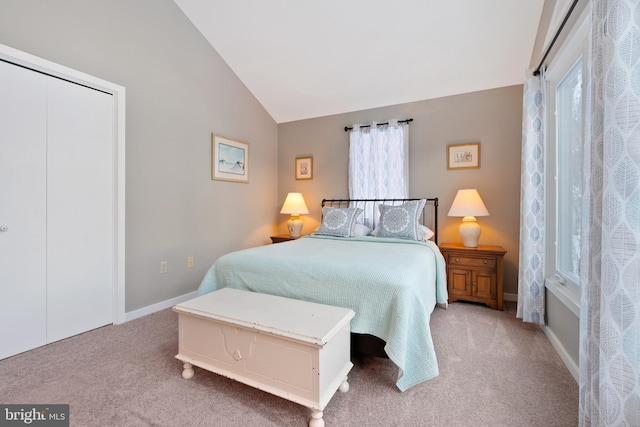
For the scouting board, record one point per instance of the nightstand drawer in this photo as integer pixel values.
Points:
(476, 262)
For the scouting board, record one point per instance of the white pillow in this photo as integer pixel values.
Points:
(426, 233)
(361, 230)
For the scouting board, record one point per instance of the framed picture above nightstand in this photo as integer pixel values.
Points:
(474, 274)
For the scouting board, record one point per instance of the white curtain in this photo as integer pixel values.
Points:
(379, 162)
(532, 194)
(610, 259)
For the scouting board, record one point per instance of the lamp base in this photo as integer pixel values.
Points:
(295, 226)
(469, 232)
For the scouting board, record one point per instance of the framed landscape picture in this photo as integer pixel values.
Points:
(463, 156)
(230, 159)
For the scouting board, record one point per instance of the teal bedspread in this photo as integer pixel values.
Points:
(393, 286)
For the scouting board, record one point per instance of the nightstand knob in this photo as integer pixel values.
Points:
(486, 262)
(457, 259)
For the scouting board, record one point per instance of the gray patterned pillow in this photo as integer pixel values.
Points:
(338, 221)
(403, 221)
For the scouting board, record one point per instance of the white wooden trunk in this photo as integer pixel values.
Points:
(294, 349)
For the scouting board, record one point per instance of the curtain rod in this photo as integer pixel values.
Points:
(566, 18)
(347, 128)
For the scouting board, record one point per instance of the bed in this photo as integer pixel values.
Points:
(392, 282)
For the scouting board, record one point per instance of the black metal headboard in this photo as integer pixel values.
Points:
(370, 206)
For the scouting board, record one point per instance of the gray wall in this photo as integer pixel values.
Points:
(179, 91)
(491, 117)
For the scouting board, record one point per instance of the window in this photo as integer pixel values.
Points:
(569, 113)
(565, 136)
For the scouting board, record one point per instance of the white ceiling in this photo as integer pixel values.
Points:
(303, 59)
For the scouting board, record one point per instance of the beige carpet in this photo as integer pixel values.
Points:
(494, 371)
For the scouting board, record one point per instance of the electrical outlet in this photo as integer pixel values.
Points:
(190, 262)
(163, 267)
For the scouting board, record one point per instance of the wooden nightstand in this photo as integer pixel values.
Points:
(474, 274)
(281, 238)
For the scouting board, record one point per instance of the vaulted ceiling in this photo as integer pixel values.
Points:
(303, 59)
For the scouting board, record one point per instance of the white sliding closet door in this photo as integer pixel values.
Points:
(79, 209)
(23, 161)
(57, 204)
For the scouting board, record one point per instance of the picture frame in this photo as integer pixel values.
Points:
(463, 156)
(304, 168)
(229, 159)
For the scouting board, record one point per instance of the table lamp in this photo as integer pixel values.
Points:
(468, 205)
(295, 206)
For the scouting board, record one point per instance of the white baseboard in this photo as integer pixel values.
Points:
(509, 297)
(564, 355)
(135, 314)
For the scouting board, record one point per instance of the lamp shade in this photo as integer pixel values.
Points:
(294, 204)
(468, 203)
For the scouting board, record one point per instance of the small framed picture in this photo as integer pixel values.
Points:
(230, 159)
(463, 156)
(304, 168)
